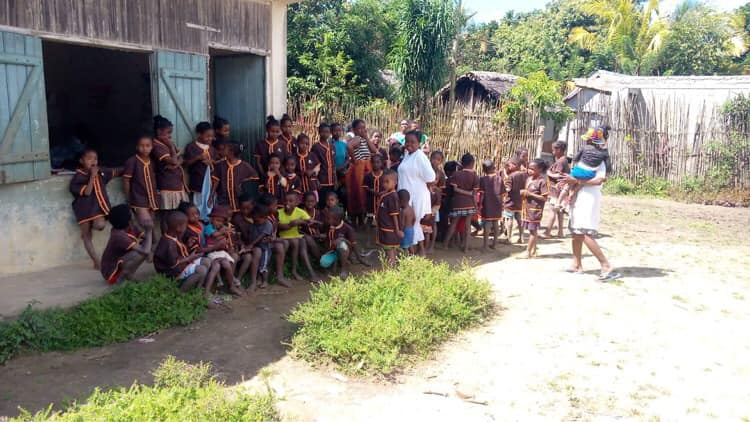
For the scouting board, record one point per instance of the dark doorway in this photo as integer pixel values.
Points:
(99, 96)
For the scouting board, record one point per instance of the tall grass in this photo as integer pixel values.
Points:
(375, 323)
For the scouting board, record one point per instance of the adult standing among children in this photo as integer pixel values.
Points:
(556, 172)
(400, 136)
(584, 223)
(360, 149)
(414, 174)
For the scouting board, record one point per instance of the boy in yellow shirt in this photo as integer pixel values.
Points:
(291, 218)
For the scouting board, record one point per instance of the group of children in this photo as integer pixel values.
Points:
(223, 218)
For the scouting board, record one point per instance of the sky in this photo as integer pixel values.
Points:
(487, 10)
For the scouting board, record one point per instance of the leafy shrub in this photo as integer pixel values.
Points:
(375, 322)
(619, 186)
(182, 392)
(653, 186)
(129, 311)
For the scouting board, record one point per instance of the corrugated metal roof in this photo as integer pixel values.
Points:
(606, 81)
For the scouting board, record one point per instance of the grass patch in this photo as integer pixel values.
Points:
(376, 322)
(133, 310)
(692, 190)
(181, 392)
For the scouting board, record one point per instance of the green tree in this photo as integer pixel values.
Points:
(426, 29)
(536, 93)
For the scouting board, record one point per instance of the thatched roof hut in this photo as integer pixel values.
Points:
(473, 88)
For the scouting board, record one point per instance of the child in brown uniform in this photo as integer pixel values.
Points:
(173, 259)
(229, 175)
(170, 179)
(514, 180)
(307, 166)
(437, 193)
(491, 189)
(534, 196)
(555, 174)
(270, 145)
(293, 182)
(389, 232)
(465, 183)
(200, 156)
(90, 200)
(125, 251)
(139, 183)
(290, 142)
(373, 187)
(342, 242)
(323, 155)
(312, 230)
(272, 182)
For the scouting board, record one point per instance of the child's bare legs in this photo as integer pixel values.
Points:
(294, 247)
(88, 243)
(306, 259)
(131, 261)
(520, 227)
(245, 261)
(343, 250)
(531, 247)
(278, 253)
(391, 254)
(468, 230)
(312, 247)
(419, 248)
(451, 232)
(145, 219)
(214, 268)
(197, 278)
(227, 272)
(508, 227)
(254, 266)
(485, 236)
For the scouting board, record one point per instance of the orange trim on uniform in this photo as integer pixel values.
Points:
(151, 195)
(288, 142)
(329, 159)
(180, 245)
(230, 184)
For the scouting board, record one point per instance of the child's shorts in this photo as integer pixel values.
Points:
(328, 259)
(408, 239)
(581, 173)
(220, 255)
(511, 214)
(190, 269)
(436, 213)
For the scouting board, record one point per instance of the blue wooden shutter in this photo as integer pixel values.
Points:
(179, 91)
(24, 138)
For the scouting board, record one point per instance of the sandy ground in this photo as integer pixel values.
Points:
(670, 341)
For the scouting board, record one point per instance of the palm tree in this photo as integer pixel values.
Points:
(632, 31)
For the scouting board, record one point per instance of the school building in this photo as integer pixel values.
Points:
(97, 71)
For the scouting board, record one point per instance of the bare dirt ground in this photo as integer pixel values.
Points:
(670, 341)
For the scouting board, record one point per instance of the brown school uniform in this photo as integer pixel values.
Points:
(289, 143)
(437, 194)
(492, 189)
(388, 207)
(373, 181)
(313, 230)
(293, 184)
(142, 183)
(120, 243)
(197, 171)
(272, 186)
(304, 163)
(265, 148)
(168, 178)
(193, 236)
(230, 178)
(168, 252)
(325, 154)
(532, 207)
(88, 208)
(559, 166)
(466, 180)
(344, 231)
(243, 227)
(512, 201)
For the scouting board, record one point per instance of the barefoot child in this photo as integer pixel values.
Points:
(261, 240)
(90, 200)
(272, 182)
(199, 159)
(389, 233)
(270, 145)
(290, 142)
(342, 242)
(491, 189)
(323, 156)
(312, 231)
(514, 181)
(534, 196)
(436, 197)
(291, 219)
(220, 244)
(307, 167)
(242, 221)
(292, 180)
(139, 183)
(277, 245)
(170, 178)
(229, 176)
(173, 259)
(373, 187)
(465, 184)
(556, 172)
(125, 251)
(407, 221)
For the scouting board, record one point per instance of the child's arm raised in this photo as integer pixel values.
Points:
(144, 248)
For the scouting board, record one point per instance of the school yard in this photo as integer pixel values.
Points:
(667, 342)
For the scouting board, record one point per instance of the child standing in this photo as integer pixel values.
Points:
(221, 243)
(229, 176)
(90, 200)
(436, 197)
(170, 179)
(293, 182)
(173, 259)
(407, 221)
(394, 155)
(307, 166)
(199, 162)
(514, 181)
(291, 218)
(261, 240)
(491, 189)
(389, 233)
(324, 156)
(222, 130)
(139, 183)
(290, 142)
(465, 183)
(534, 196)
(272, 182)
(373, 186)
(125, 251)
(270, 145)
(556, 172)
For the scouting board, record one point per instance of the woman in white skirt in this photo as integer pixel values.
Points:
(414, 173)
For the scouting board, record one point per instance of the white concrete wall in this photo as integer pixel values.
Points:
(276, 61)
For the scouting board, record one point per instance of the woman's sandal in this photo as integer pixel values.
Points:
(609, 277)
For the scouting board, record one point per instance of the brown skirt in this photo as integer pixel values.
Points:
(170, 200)
(356, 197)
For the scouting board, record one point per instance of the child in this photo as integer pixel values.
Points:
(436, 198)
(242, 221)
(465, 183)
(220, 245)
(173, 259)
(170, 179)
(450, 168)
(514, 181)
(585, 162)
(292, 181)
(277, 245)
(270, 145)
(222, 130)
(556, 172)
(377, 140)
(331, 202)
(407, 221)
(522, 154)
(389, 232)
(534, 196)
(324, 156)
(394, 155)
(199, 163)
(90, 200)
(272, 182)
(341, 242)
(139, 183)
(290, 142)
(312, 230)
(491, 189)
(194, 237)
(291, 219)
(342, 161)
(229, 176)
(125, 252)
(307, 166)
(372, 184)
(260, 242)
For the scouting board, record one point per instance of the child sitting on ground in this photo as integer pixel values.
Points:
(585, 162)
(407, 221)
(261, 241)
(291, 219)
(173, 259)
(242, 221)
(125, 251)
(534, 196)
(221, 240)
(491, 189)
(342, 243)
(389, 233)
(311, 231)
(194, 238)
(90, 200)
(331, 202)
(277, 245)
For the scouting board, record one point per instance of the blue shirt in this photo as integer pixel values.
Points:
(341, 152)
